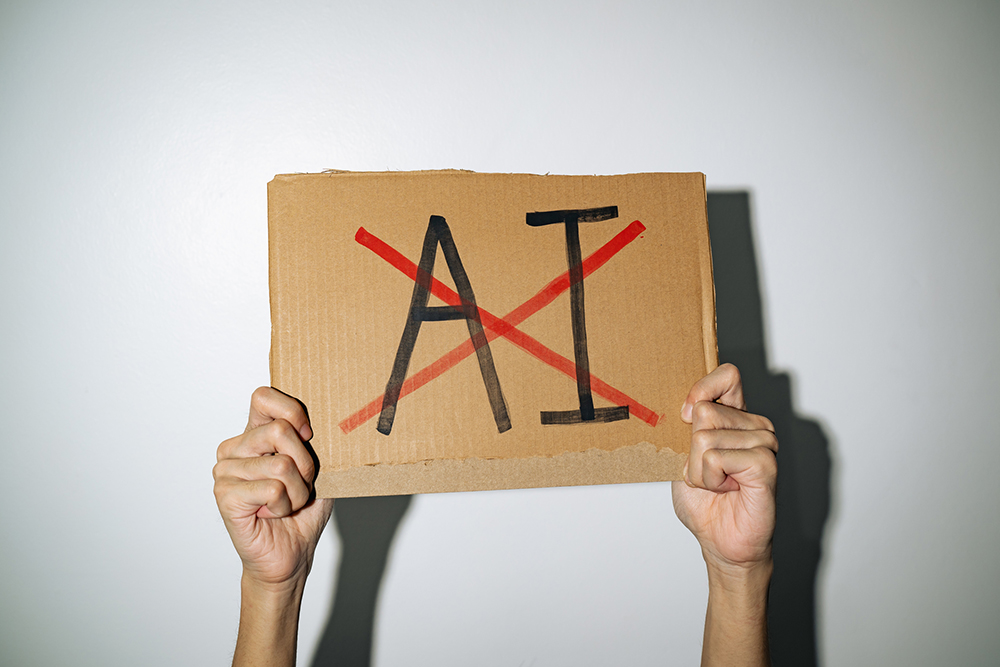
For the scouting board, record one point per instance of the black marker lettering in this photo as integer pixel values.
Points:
(571, 220)
(438, 232)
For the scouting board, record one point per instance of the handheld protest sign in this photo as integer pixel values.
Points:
(552, 346)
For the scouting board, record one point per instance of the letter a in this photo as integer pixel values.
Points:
(438, 232)
(572, 218)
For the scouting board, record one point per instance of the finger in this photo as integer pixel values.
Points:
(276, 437)
(225, 449)
(279, 467)
(238, 498)
(268, 404)
(729, 469)
(723, 385)
(707, 415)
(704, 442)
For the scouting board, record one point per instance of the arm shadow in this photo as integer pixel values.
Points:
(366, 527)
(804, 456)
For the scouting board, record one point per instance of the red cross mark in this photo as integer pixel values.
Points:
(505, 327)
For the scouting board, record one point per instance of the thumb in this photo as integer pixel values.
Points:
(723, 385)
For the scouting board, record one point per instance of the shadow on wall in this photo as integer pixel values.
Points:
(804, 454)
(367, 525)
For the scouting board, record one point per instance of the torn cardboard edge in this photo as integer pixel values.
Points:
(641, 462)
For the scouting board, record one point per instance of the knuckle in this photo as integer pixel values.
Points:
(770, 440)
(702, 440)
(772, 463)
(712, 459)
(280, 429)
(283, 465)
(767, 424)
(294, 409)
(703, 410)
(226, 446)
(730, 373)
(273, 490)
(259, 395)
(221, 490)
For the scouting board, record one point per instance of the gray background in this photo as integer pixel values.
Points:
(136, 141)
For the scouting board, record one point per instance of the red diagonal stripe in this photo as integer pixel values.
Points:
(505, 327)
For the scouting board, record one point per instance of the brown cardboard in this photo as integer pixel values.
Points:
(341, 245)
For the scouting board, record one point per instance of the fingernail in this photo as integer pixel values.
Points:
(307, 432)
(686, 411)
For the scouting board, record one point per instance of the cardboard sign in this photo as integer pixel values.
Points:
(454, 331)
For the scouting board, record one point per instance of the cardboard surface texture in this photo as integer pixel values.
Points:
(471, 287)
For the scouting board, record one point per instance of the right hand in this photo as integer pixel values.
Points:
(264, 489)
(727, 496)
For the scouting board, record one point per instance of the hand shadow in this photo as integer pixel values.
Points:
(803, 497)
(366, 527)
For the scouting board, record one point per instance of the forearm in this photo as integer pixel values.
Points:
(269, 624)
(736, 621)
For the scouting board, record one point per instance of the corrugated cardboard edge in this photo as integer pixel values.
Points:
(272, 276)
(336, 172)
(708, 321)
(633, 463)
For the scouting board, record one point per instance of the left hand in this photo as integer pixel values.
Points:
(264, 488)
(727, 496)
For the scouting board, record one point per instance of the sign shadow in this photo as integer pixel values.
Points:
(367, 526)
(804, 460)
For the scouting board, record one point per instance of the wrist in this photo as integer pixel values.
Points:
(741, 586)
(282, 594)
(747, 571)
(269, 619)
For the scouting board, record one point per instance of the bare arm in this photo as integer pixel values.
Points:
(269, 625)
(264, 487)
(727, 501)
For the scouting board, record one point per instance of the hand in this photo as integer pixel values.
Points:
(727, 501)
(727, 496)
(264, 489)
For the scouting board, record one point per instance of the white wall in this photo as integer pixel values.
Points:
(136, 140)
